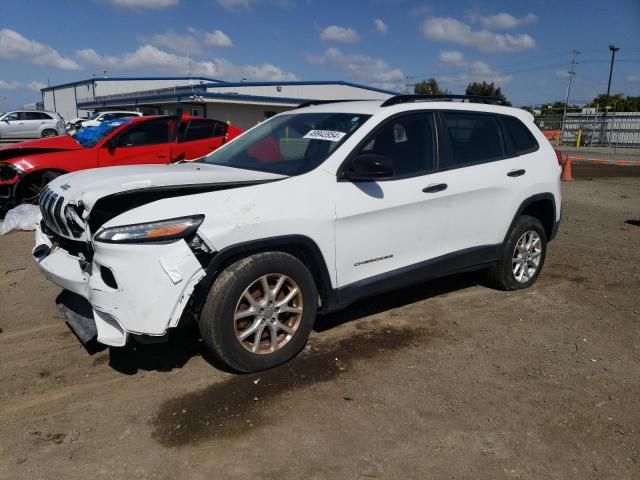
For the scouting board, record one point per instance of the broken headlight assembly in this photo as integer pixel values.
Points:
(8, 172)
(160, 231)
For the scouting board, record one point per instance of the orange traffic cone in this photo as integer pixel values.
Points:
(566, 170)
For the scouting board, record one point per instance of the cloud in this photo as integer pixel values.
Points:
(247, 5)
(217, 38)
(139, 4)
(4, 85)
(503, 21)
(338, 34)
(233, 5)
(364, 69)
(13, 85)
(188, 43)
(452, 30)
(149, 57)
(185, 44)
(37, 86)
(15, 46)
(468, 71)
(380, 25)
(634, 78)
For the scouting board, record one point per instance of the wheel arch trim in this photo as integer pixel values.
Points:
(530, 201)
(296, 245)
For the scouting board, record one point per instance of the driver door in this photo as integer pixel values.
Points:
(147, 142)
(386, 225)
(14, 125)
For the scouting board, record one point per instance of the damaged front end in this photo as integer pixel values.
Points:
(10, 176)
(132, 280)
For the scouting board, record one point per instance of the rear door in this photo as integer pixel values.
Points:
(142, 143)
(485, 178)
(198, 138)
(35, 122)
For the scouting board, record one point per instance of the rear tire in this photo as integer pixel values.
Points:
(48, 133)
(522, 256)
(249, 330)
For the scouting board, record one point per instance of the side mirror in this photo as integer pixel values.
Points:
(111, 144)
(369, 167)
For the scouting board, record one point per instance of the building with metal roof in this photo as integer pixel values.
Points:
(241, 103)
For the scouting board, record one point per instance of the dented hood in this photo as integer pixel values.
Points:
(89, 186)
(44, 145)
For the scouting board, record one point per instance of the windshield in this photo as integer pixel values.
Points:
(289, 144)
(94, 115)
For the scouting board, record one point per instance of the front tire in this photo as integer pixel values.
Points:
(259, 312)
(522, 256)
(29, 189)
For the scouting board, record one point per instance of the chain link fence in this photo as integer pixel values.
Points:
(590, 127)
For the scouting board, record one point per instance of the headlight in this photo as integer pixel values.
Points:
(160, 231)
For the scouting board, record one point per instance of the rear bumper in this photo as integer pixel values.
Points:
(129, 289)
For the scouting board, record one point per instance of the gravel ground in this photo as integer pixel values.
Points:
(447, 379)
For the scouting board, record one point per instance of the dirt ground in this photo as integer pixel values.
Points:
(447, 379)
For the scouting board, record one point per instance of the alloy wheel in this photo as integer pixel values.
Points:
(268, 313)
(526, 256)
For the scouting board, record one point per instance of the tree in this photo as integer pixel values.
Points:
(485, 89)
(428, 87)
(617, 102)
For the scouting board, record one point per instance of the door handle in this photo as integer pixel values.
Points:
(162, 156)
(517, 173)
(436, 187)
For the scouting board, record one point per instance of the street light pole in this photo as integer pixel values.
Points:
(613, 49)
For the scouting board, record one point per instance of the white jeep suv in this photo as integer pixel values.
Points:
(305, 213)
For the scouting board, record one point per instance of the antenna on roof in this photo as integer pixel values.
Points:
(104, 74)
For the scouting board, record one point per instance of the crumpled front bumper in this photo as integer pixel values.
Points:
(132, 289)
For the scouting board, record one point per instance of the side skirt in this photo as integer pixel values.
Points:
(456, 262)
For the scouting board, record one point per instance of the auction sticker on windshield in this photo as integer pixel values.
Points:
(329, 135)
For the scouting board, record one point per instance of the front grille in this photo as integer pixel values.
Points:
(57, 215)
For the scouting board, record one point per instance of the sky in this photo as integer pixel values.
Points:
(525, 47)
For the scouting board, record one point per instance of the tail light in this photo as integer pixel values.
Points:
(559, 157)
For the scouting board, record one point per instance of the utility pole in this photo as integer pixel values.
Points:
(572, 72)
(613, 49)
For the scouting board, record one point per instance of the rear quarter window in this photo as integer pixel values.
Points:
(521, 137)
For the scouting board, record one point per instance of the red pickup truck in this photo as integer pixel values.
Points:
(25, 168)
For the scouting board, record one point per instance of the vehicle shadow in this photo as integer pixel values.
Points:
(184, 342)
(399, 298)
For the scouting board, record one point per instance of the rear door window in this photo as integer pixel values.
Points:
(199, 130)
(473, 138)
(37, 116)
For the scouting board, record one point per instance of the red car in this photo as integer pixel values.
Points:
(28, 166)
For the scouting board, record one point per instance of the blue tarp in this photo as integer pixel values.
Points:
(89, 136)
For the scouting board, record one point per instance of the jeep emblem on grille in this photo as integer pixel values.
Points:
(66, 186)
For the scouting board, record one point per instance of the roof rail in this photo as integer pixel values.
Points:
(322, 102)
(398, 99)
